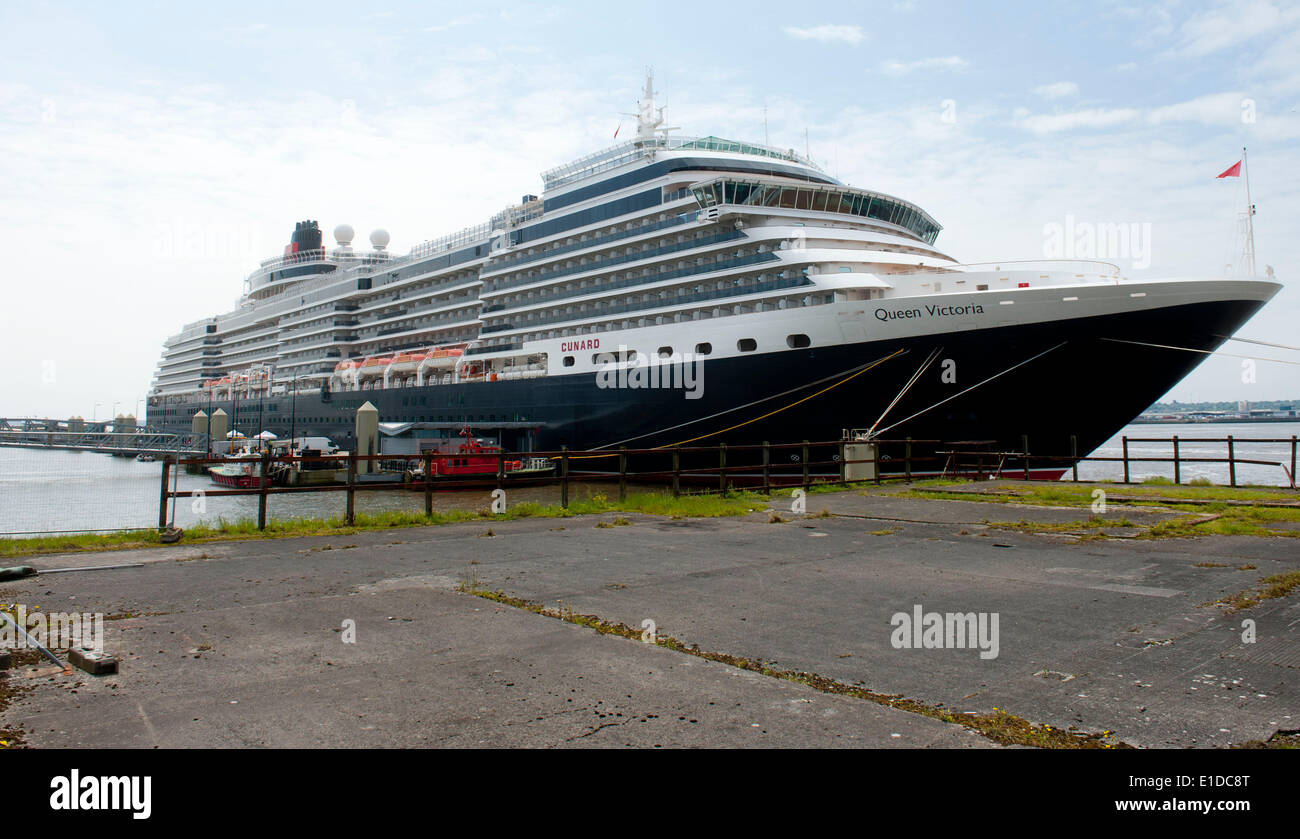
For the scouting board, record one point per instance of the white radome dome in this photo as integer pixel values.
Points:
(343, 235)
(379, 239)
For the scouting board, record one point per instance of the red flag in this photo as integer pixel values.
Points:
(1233, 171)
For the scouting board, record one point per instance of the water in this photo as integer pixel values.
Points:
(1217, 473)
(51, 490)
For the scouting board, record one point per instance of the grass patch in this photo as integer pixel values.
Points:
(1269, 588)
(649, 503)
(1092, 526)
(998, 726)
(1080, 495)
(1279, 740)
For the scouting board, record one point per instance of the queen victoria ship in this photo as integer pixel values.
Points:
(672, 289)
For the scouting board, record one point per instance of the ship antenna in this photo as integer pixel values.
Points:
(649, 118)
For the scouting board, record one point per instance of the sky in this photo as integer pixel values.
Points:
(152, 153)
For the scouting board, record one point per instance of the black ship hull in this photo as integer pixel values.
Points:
(1066, 386)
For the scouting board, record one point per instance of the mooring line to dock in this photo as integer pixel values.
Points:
(852, 375)
(1207, 352)
(972, 387)
(1260, 343)
(45, 571)
(37, 644)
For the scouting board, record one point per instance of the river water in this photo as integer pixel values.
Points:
(51, 490)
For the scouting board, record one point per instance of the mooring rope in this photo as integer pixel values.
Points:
(1261, 343)
(972, 387)
(852, 374)
(915, 377)
(1202, 352)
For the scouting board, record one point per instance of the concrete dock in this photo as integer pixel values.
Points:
(243, 643)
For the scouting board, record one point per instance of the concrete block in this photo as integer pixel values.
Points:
(94, 663)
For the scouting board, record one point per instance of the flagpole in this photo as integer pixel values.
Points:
(1250, 217)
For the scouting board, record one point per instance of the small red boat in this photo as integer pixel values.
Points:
(473, 459)
(237, 476)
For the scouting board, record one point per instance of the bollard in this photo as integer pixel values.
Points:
(428, 484)
(263, 487)
(564, 477)
(162, 496)
(350, 515)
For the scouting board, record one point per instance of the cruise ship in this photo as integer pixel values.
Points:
(689, 291)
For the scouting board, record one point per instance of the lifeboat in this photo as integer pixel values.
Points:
(345, 373)
(373, 366)
(404, 363)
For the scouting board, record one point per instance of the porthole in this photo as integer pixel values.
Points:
(797, 342)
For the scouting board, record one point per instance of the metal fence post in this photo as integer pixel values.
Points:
(722, 468)
(1125, 459)
(907, 460)
(1232, 463)
(564, 477)
(677, 472)
(1293, 442)
(350, 516)
(622, 472)
(1024, 449)
(262, 485)
(1178, 470)
(1074, 456)
(844, 467)
(428, 484)
(767, 468)
(162, 495)
(501, 470)
(804, 455)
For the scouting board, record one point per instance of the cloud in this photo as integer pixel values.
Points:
(1089, 118)
(828, 33)
(1211, 109)
(1229, 25)
(1057, 90)
(902, 68)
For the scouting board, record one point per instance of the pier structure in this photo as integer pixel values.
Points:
(121, 437)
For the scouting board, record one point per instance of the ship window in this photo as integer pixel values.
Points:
(568, 361)
(746, 345)
(797, 342)
(704, 348)
(665, 352)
